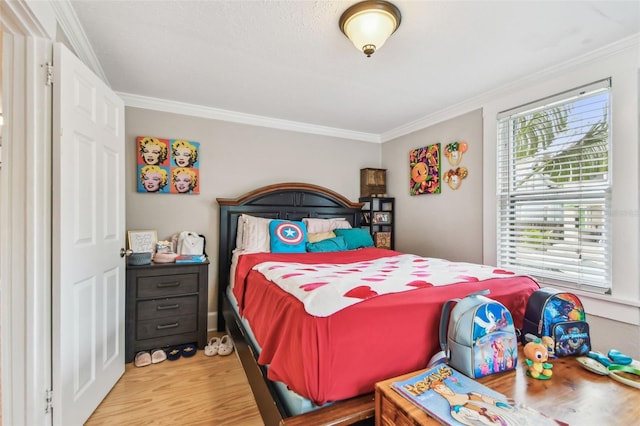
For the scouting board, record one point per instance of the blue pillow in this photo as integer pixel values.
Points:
(330, 244)
(287, 236)
(355, 237)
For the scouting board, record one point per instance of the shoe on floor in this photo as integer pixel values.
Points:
(226, 345)
(188, 350)
(619, 358)
(142, 359)
(212, 347)
(158, 355)
(173, 353)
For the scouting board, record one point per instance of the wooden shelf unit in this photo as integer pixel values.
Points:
(378, 218)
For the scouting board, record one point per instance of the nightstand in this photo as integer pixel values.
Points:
(166, 305)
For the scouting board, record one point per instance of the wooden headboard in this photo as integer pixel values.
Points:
(290, 201)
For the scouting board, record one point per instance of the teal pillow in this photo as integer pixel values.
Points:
(330, 244)
(355, 237)
(287, 236)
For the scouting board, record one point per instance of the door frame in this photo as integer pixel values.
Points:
(25, 215)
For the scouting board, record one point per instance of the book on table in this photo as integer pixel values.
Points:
(452, 398)
(191, 258)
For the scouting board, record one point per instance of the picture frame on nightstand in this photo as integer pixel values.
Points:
(142, 241)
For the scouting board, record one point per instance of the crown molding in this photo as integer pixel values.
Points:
(17, 17)
(175, 107)
(70, 24)
(477, 102)
(68, 21)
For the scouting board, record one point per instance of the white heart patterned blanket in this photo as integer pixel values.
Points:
(327, 288)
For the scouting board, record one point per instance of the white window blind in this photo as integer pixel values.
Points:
(554, 188)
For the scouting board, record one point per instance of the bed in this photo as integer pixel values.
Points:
(321, 368)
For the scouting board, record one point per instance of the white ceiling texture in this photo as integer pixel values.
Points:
(285, 63)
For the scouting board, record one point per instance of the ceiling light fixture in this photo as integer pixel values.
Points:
(369, 24)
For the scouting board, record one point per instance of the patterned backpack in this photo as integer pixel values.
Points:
(477, 335)
(559, 315)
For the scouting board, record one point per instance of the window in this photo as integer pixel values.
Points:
(554, 188)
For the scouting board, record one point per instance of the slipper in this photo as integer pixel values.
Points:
(226, 345)
(188, 350)
(173, 353)
(601, 358)
(212, 348)
(619, 358)
(142, 359)
(158, 355)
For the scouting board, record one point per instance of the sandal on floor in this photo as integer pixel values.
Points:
(226, 345)
(173, 353)
(142, 359)
(158, 355)
(212, 347)
(188, 350)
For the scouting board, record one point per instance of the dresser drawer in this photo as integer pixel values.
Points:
(166, 326)
(170, 307)
(392, 415)
(166, 285)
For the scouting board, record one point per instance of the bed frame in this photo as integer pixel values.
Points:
(291, 201)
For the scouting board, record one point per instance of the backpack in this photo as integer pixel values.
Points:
(478, 336)
(559, 315)
(187, 242)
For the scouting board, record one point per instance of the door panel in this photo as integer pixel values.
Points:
(88, 232)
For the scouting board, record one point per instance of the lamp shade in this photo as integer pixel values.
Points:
(369, 24)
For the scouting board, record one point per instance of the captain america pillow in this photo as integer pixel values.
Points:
(287, 236)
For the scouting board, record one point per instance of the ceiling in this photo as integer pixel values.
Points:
(288, 60)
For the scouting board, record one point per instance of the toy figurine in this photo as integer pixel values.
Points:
(550, 344)
(536, 355)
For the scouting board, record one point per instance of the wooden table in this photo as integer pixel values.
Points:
(573, 395)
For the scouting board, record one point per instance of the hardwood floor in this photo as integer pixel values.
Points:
(200, 390)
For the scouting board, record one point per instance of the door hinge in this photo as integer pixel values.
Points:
(48, 399)
(49, 67)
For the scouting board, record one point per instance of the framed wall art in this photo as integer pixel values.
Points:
(424, 170)
(142, 241)
(383, 239)
(168, 166)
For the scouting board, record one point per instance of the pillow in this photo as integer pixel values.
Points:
(287, 236)
(255, 234)
(330, 244)
(239, 234)
(340, 224)
(355, 237)
(314, 237)
(315, 225)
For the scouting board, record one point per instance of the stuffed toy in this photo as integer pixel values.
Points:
(536, 355)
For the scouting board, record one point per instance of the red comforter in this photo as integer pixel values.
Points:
(345, 354)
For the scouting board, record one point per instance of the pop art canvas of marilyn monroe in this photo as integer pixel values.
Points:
(168, 165)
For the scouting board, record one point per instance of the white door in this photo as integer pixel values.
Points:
(88, 233)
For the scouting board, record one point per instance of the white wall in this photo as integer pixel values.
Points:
(608, 313)
(234, 159)
(447, 225)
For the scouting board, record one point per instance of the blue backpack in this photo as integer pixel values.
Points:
(559, 315)
(478, 336)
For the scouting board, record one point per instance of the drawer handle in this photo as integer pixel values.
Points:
(173, 284)
(165, 307)
(163, 326)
